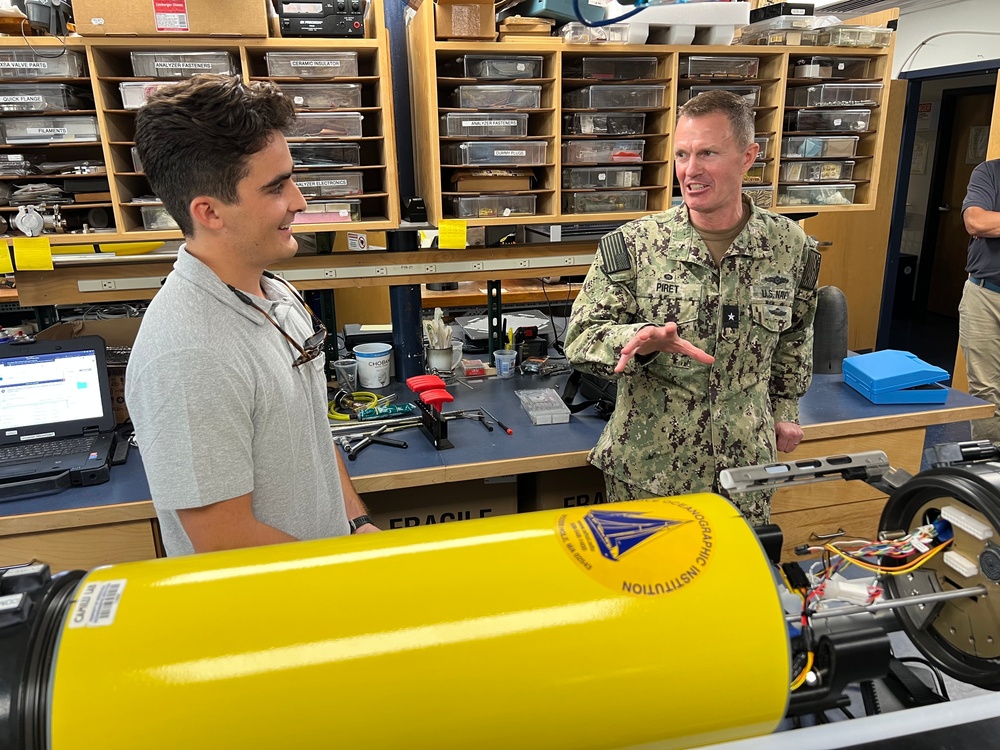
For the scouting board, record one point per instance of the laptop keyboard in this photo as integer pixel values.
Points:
(46, 449)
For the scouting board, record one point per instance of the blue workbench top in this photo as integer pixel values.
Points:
(829, 400)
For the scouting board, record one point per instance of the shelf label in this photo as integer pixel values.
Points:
(171, 15)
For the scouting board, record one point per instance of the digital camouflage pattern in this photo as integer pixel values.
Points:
(678, 423)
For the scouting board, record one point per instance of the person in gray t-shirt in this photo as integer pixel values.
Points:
(979, 310)
(226, 384)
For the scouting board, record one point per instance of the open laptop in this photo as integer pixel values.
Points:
(56, 420)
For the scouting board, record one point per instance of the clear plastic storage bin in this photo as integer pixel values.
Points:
(498, 97)
(601, 177)
(750, 93)
(323, 95)
(22, 63)
(490, 206)
(837, 95)
(544, 406)
(815, 195)
(610, 68)
(615, 97)
(156, 217)
(40, 97)
(306, 155)
(312, 64)
(783, 38)
(325, 125)
(604, 123)
(829, 120)
(167, 64)
(76, 128)
(486, 153)
(854, 36)
(712, 66)
(604, 201)
(135, 93)
(575, 32)
(603, 152)
(18, 165)
(485, 125)
(764, 142)
(754, 175)
(827, 146)
(816, 171)
(329, 184)
(330, 212)
(830, 67)
(762, 196)
(500, 67)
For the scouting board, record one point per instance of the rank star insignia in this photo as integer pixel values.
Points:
(730, 317)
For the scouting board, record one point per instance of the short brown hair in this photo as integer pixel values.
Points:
(196, 137)
(737, 109)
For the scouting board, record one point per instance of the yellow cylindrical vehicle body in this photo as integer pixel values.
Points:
(596, 627)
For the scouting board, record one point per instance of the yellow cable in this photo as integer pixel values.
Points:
(797, 682)
(365, 400)
(908, 568)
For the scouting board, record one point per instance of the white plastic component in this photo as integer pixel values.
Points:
(687, 23)
(966, 523)
(855, 592)
(958, 562)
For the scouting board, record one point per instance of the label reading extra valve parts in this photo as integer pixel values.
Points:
(97, 604)
(651, 548)
(171, 15)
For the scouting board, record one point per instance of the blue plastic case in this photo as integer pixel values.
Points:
(895, 377)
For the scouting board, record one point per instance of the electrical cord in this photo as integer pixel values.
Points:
(913, 55)
(640, 6)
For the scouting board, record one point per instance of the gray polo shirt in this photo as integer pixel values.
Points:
(984, 192)
(219, 411)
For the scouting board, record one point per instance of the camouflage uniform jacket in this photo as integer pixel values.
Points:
(677, 423)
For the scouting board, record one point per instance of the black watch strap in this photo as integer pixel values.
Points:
(357, 523)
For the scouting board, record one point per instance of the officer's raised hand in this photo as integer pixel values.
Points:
(661, 339)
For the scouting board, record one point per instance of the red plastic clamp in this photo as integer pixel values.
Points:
(436, 397)
(421, 383)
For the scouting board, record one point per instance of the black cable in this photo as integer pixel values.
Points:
(556, 343)
(846, 713)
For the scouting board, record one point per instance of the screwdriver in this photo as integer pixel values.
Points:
(500, 424)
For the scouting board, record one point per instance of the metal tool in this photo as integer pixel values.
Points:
(354, 450)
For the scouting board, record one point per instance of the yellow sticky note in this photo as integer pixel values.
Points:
(32, 254)
(451, 234)
(5, 265)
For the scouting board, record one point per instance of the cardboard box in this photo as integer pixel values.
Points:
(442, 503)
(492, 180)
(563, 488)
(465, 19)
(171, 18)
(119, 332)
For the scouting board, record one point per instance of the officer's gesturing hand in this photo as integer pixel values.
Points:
(661, 339)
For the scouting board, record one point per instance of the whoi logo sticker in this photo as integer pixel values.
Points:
(653, 548)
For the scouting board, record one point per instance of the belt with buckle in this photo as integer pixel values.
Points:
(985, 284)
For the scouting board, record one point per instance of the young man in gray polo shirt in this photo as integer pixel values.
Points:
(226, 383)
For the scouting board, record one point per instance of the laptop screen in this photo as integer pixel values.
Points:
(41, 389)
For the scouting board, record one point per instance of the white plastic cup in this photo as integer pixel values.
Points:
(373, 364)
(505, 359)
(347, 373)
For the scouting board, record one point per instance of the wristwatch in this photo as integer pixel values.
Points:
(357, 523)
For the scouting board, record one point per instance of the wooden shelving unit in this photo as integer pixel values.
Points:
(109, 65)
(434, 98)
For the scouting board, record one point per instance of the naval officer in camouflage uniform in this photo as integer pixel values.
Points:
(703, 314)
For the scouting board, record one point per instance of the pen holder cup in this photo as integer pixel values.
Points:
(505, 360)
(442, 360)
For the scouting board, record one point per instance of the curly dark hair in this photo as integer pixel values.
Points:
(736, 108)
(196, 138)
